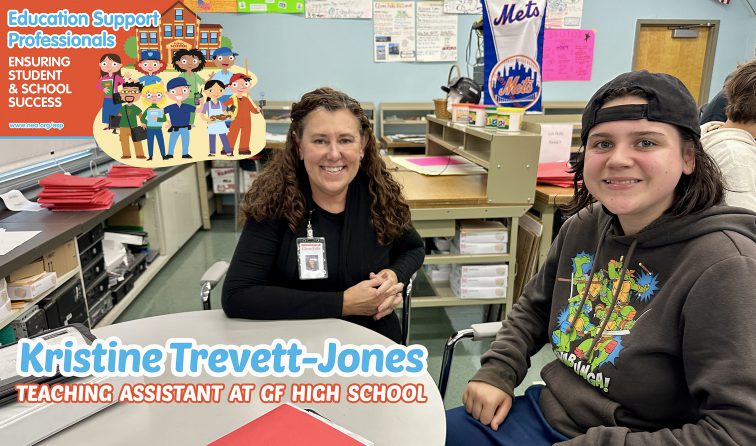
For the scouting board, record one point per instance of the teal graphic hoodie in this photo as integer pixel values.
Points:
(654, 334)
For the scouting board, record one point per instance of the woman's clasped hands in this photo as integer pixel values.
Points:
(377, 296)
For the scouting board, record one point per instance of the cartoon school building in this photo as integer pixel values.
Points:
(179, 28)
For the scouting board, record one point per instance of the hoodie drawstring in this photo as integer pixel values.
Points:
(615, 295)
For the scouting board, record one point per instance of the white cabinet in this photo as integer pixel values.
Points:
(178, 201)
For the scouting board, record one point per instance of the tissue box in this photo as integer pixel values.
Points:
(487, 281)
(472, 292)
(436, 274)
(479, 231)
(32, 287)
(459, 247)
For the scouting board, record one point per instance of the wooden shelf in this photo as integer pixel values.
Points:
(404, 115)
(28, 304)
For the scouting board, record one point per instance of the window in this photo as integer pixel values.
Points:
(189, 30)
(142, 37)
(213, 37)
(153, 37)
(179, 31)
(203, 37)
(179, 15)
(167, 30)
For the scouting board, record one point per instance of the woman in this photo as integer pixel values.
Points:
(110, 83)
(214, 113)
(646, 296)
(189, 63)
(329, 179)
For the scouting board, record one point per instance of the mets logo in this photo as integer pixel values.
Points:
(515, 82)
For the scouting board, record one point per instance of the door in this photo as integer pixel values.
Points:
(682, 49)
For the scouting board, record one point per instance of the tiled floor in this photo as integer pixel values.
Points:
(176, 289)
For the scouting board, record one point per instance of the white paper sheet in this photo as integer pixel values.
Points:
(463, 7)
(436, 33)
(15, 201)
(394, 31)
(555, 143)
(339, 9)
(564, 13)
(9, 240)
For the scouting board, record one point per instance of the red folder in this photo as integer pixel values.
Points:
(555, 174)
(287, 426)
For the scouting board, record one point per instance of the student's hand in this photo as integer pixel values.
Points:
(362, 299)
(486, 403)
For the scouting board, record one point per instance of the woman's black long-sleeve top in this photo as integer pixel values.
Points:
(263, 278)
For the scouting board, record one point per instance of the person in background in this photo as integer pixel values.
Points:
(646, 296)
(214, 113)
(731, 143)
(179, 116)
(329, 182)
(129, 113)
(154, 96)
(242, 109)
(110, 83)
(714, 110)
(189, 63)
(150, 65)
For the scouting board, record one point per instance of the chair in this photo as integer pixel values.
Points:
(217, 271)
(477, 332)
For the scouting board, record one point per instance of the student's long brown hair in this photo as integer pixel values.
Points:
(275, 194)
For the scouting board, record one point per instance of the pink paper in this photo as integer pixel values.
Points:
(567, 54)
(430, 161)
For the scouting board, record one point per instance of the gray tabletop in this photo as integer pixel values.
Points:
(167, 424)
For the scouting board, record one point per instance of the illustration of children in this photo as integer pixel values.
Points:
(154, 96)
(223, 58)
(241, 108)
(180, 116)
(110, 82)
(214, 113)
(129, 114)
(150, 65)
(189, 63)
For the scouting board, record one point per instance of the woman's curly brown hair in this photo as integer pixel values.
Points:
(275, 194)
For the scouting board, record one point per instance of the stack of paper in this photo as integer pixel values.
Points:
(287, 425)
(121, 175)
(71, 193)
(555, 174)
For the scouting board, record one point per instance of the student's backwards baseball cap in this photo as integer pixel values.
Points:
(669, 101)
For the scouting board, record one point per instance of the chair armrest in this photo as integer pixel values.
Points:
(485, 330)
(215, 273)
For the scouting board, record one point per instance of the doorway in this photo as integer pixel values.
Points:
(682, 48)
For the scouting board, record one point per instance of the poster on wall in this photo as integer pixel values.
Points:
(568, 54)
(394, 31)
(339, 9)
(152, 83)
(463, 7)
(271, 6)
(513, 49)
(211, 5)
(564, 13)
(436, 33)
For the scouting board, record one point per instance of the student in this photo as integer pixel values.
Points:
(150, 65)
(330, 181)
(646, 297)
(731, 143)
(154, 96)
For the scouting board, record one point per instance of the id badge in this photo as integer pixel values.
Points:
(311, 258)
(197, 97)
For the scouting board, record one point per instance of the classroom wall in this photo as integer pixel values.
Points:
(291, 55)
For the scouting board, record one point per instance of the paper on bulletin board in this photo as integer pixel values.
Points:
(568, 54)
(555, 143)
(211, 5)
(268, 6)
(463, 7)
(339, 9)
(394, 31)
(436, 33)
(564, 13)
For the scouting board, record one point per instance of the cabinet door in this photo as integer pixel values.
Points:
(180, 209)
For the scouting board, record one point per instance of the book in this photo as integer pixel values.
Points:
(288, 425)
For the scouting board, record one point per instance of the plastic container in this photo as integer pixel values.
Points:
(460, 113)
(509, 118)
(492, 117)
(477, 115)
